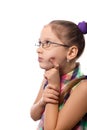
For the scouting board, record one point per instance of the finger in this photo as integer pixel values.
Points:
(49, 100)
(51, 89)
(55, 64)
(52, 96)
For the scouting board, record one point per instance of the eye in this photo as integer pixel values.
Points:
(44, 44)
(48, 42)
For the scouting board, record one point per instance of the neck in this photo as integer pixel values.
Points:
(67, 68)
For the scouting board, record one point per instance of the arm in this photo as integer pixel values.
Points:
(72, 112)
(47, 95)
(37, 108)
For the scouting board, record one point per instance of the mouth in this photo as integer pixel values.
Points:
(40, 59)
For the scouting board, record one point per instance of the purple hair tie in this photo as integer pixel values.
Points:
(83, 27)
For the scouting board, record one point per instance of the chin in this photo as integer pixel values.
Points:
(45, 67)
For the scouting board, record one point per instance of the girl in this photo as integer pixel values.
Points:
(61, 102)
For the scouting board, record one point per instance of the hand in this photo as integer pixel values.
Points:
(50, 95)
(52, 75)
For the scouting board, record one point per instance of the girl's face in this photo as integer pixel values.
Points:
(54, 52)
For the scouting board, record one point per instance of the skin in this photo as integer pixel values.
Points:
(54, 61)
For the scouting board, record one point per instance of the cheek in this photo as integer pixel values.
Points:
(61, 60)
(46, 63)
(55, 55)
(59, 57)
(49, 56)
(48, 60)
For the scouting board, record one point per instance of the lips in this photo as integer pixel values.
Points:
(40, 59)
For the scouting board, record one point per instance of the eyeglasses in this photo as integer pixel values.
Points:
(47, 44)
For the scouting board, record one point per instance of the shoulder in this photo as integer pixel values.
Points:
(83, 85)
(81, 88)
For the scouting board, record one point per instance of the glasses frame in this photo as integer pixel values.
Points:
(49, 43)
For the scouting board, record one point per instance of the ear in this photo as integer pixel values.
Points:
(72, 52)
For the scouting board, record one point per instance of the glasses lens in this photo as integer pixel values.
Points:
(44, 44)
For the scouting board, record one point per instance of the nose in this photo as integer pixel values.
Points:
(39, 49)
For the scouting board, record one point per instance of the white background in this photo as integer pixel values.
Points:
(20, 76)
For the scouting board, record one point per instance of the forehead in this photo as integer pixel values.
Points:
(47, 33)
